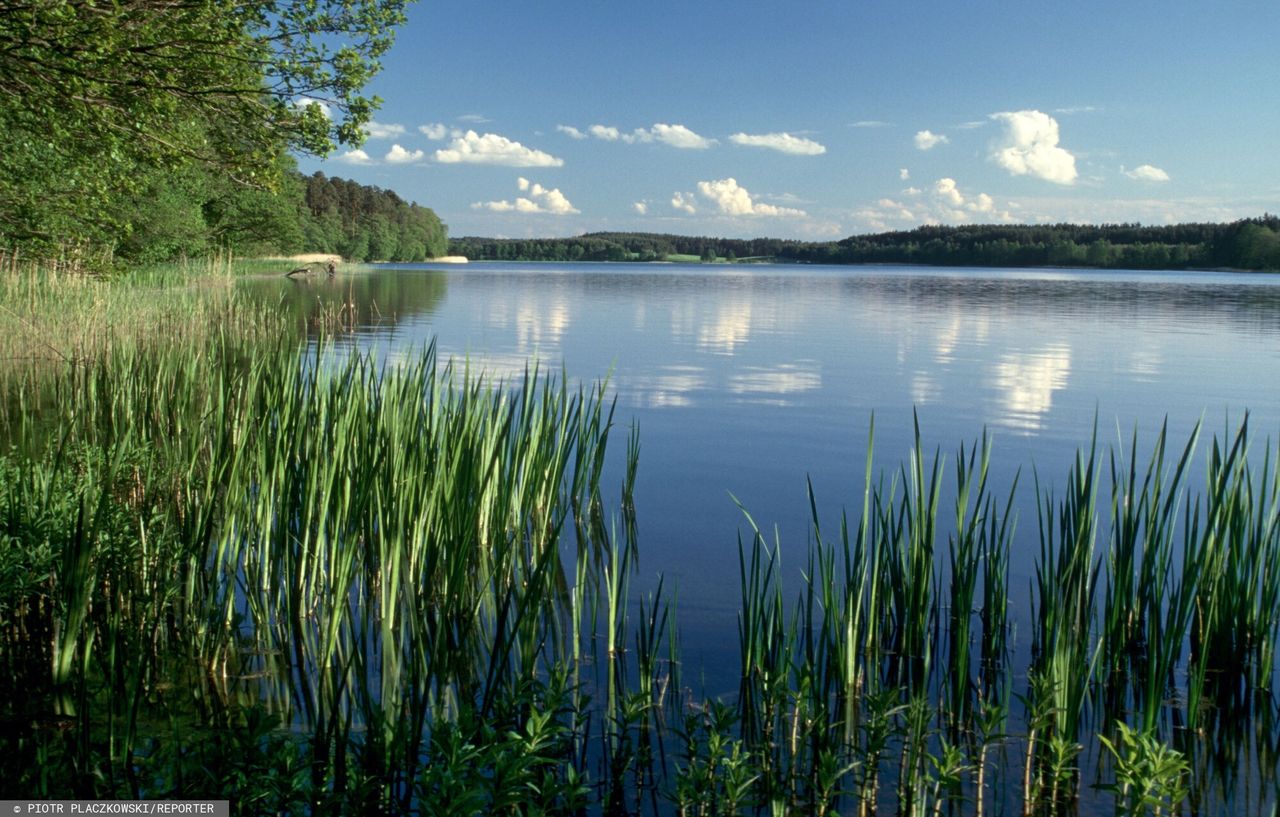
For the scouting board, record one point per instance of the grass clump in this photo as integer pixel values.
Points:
(52, 318)
(361, 551)
(316, 583)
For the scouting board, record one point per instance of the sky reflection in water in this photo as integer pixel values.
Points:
(748, 380)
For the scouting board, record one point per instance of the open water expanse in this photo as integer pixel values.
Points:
(746, 380)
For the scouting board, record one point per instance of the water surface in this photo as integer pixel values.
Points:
(747, 380)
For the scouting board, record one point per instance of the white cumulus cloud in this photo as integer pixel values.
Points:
(1030, 147)
(944, 203)
(354, 157)
(927, 140)
(1146, 173)
(734, 200)
(435, 131)
(678, 136)
(947, 192)
(571, 131)
(380, 130)
(683, 202)
(492, 149)
(539, 200)
(399, 156)
(904, 174)
(640, 207)
(781, 142)
(953, 205)
(324, 109)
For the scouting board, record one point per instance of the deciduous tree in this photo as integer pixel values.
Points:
(94, 94)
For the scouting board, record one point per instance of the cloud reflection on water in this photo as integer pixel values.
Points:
(1145, 364)
(730, 328)
(924, 389)
(1026, 382)
(668, 387)
(779, 382)
(539, 326)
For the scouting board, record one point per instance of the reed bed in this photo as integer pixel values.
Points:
(53, 317)
(1152, 642)
(317, 583)
(353, 551)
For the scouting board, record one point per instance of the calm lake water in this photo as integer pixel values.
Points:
(746, 380)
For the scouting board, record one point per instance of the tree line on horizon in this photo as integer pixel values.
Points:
(1247, 244)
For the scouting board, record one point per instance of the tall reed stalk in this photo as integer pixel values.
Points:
(371, 550)
(398, 589)
(1064, 655)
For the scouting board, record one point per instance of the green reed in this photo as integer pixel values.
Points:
(1236, 538)
(370, 550)
(1113, 612)
(397, 588)
(1147, 606)
(1064, 652)
(911, 530)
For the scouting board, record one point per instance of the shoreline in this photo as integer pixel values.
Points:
(326, 257)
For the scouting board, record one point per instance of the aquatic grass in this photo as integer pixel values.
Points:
(851, 599)
(1237, 542)
(1150, 777)
(978, 548)
(382, 547)
(766, 638)
(1064, 652)
(51, 316)
(53, 322)
(1148, 605)
(911, 529)
(403, 586)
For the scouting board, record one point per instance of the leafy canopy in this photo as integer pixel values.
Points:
(96, 94)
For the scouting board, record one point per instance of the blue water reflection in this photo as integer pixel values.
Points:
(748, 379)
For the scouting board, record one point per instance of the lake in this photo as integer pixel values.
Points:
(747, 380)
(749, 383)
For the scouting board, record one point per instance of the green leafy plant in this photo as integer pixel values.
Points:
(1151, 778)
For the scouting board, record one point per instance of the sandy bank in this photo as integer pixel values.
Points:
(449, 259)
(307, 258)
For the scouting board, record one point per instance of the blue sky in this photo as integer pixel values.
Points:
(818, 120)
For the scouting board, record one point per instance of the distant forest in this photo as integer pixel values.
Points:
(190, 214)
(1249, 244)
(363, 223)
(193, 211)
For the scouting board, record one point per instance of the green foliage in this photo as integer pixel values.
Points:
(1250, 244)
(716, 773)
(252, 761)
(165, 219)
(367, 223)
(95, 99)
(191, 211)
(517, 762)
(193, 600)
(1151, 778)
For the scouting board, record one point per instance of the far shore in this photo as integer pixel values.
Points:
(325, 258)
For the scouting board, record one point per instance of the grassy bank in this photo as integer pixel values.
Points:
(308, 583)
(50, 317)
